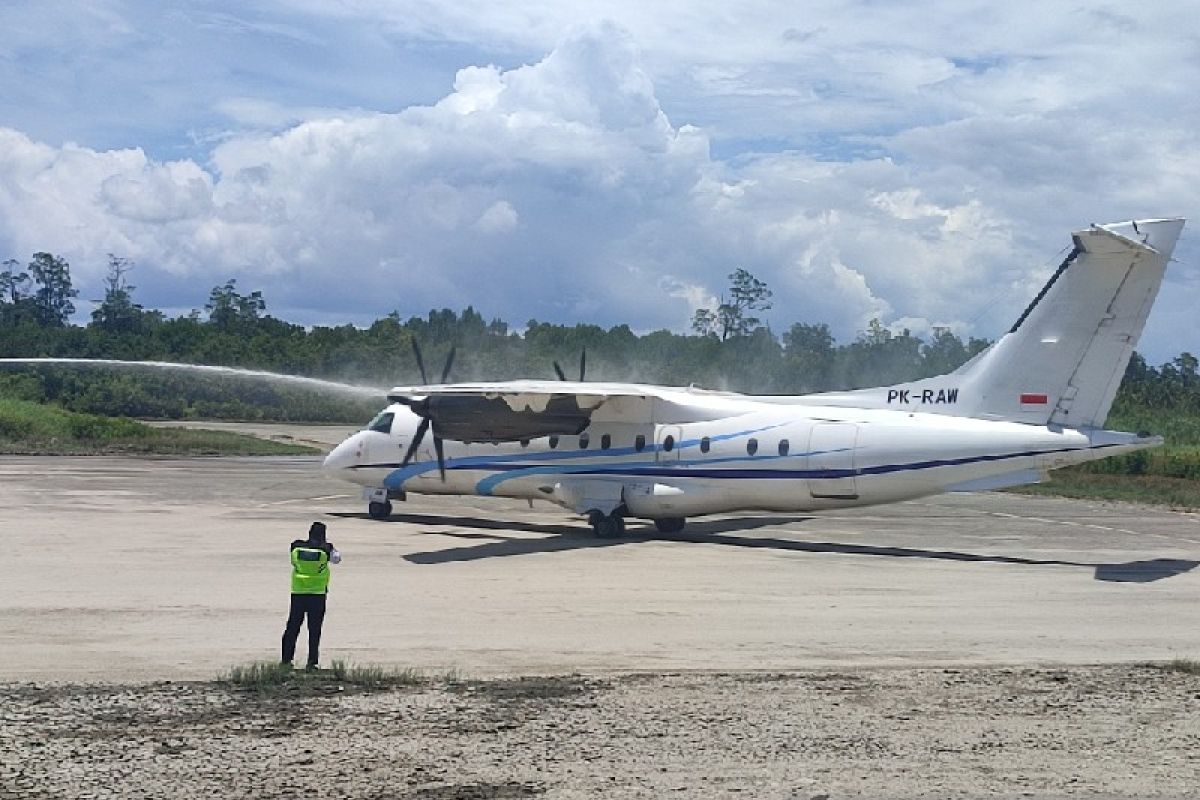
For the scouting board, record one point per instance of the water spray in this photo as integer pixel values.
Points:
(315, 384)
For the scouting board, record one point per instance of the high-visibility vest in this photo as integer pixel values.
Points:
(310, 570)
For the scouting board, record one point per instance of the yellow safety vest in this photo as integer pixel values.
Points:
(310, 570)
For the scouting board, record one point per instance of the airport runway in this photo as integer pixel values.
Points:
(133, 569)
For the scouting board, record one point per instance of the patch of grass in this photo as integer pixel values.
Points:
(1188, 666)
(373, 676)
(28, 428)
(1184, 666)
(270, 677)
(259, 675)
(1176, 426)
(1180, 493)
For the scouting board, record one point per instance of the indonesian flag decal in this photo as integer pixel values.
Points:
(1034, 399)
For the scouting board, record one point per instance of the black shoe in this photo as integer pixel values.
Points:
(311, 668)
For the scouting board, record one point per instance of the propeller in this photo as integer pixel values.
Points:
(562, 376)
(422, 409)
(420, 362)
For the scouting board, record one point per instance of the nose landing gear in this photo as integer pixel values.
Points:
(377, 510)
(379, 502)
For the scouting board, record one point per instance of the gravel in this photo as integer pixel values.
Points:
(1110, 731)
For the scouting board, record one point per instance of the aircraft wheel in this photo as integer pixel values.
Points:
(606, 526)
(670, 524)
(379, 510)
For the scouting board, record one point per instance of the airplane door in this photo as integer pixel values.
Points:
(667, 439)
(831, 460)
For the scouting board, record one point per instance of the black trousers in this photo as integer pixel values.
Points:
(312, 606)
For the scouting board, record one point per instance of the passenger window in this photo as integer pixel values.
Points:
(382, 423)
(752, 446)
(639, 443)
(668, 444)
(524, 443)
(584, 440)
(605, 442)
(553, 442)
(705, 443)
(784, 447)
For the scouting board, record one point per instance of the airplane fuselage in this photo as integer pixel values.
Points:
(771, 456)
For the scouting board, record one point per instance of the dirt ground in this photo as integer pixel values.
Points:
(926, 649)
(1107, 731)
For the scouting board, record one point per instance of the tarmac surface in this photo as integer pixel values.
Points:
(129, 569)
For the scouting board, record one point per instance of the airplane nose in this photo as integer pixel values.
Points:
(342, 456)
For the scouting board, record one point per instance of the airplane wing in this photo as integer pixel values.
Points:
(510, 411)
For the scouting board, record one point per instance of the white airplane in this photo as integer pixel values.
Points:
(1035, 400)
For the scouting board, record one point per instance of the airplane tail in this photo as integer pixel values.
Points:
(1063, 360)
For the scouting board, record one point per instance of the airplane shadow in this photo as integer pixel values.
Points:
(463, 522)
(727, 532)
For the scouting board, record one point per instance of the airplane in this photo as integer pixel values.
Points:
(1035, 400)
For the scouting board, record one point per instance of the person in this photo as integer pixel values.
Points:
(310, 558)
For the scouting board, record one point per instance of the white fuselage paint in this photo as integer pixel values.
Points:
(833, 457)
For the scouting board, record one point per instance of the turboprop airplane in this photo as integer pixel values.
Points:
(1035, 400)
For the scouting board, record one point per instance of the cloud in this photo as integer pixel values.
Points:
(499, 218)
(917, 175)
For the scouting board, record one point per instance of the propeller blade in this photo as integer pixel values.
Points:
(449, 364)
(420, 362)
(416, 442)
(441, 456)
(582, 364)
(561, 375)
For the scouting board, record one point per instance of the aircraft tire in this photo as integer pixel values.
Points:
(606, 526)
(670, 524)
(379, 510)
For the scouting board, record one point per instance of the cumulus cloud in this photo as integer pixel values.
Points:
(922, 184)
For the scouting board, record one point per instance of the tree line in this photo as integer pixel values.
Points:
(729, 348)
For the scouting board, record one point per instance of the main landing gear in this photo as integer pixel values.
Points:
(670, 524)
(610, 526)
(607, 526)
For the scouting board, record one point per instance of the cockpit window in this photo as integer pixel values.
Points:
(382, 422)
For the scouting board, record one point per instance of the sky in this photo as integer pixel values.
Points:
(604, 162)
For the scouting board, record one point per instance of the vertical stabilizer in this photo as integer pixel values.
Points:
(1064, 358)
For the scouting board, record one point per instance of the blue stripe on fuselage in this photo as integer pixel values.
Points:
(518, 461)
(507, 470)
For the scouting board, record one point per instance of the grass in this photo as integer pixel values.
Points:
(1164, 476)
(29, 428)
(1187, 666)
(1179, 493)
(269, 677)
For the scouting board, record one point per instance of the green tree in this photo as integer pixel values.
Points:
(118, 313)
(944, 353)
(704, 321)
(231, 311)
(808, 355)
(732, 318)
(52, 304)
(879, 357)
(16, 297)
